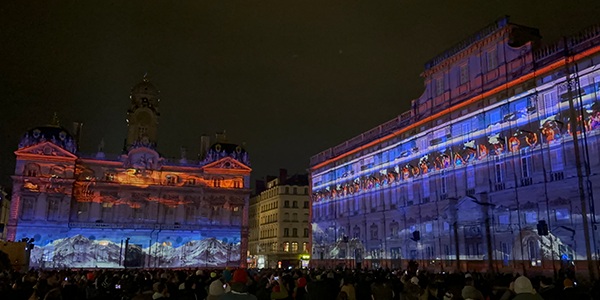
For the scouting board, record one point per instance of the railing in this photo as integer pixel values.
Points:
(526, 181)
(556, 176)
(500, 186)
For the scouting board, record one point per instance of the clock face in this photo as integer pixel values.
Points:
(145, 101)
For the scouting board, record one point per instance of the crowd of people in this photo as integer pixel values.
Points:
(293, 284)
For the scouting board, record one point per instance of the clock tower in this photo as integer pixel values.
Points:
(143, 114)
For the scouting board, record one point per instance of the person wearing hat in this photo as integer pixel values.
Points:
(300, 290)
(469, 291)
(525, 291)
(239, 289)
(215, 290)
(570, 290)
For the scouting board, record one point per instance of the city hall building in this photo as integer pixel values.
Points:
(494, 166)
(134, 209)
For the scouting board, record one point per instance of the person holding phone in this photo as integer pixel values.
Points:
(239, 287)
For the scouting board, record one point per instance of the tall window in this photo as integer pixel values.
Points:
(287, 190)
(550, 103)
(426, 186)
(286, 204)
(526, 166)
(295, 191)
(556, 159)
(464, 74)
(470, 177)
(295, 204)
(306, 204)
(439, 83)
(374, 232)
(305, 232)
(492, 60)
(286, 246)
(28, 210)
(443, 183)
(295, 232)
(294, 246)
(305, 246)
(499, 170)
(53, 209)
(286, 232)
(106, 211)
(294, 217)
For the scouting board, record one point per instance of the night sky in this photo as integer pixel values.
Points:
(289, 78)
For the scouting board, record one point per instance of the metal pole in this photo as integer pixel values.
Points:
(456, 246)
(586, 230)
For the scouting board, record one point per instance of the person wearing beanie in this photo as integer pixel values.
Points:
(215, 290)
(239, 289)
(524, 290)
(571, 291)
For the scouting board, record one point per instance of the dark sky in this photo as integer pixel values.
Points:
(291, 78)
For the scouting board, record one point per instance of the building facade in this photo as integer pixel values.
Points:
(493, 167)
(4, 210)
(279, 227)
(135, 209)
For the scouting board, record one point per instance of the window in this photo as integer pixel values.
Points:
(286, 246)
(305, 191)
(28, 210)
(531, 217)
(306, 217)
(273, 246)
(428, 227)
(494, 116)
(499, 172)
(286, 232)
(305, 232)
(171, 179)
(556, 159)
(562, 214)
(409, 188)
(286, 204)
(295, 191)
(550, 103)
(374, 232)
(294, 246)
(295, 204)
(526, 166)
(443, 183)
(53, 209)
(305, 246)
(295, 232)
(492, 60)
(287, 190)
(470, 176)
(464, 74)
(504, 219)
(426, 186)
(306, 204)
(439, 83)
(446, 226)
(294, 217)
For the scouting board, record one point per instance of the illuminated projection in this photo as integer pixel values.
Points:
(482, 170)
(136, 208)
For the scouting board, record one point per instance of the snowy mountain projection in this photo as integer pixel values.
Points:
(81, 252)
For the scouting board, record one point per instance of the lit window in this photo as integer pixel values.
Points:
(562, 214)
(294, 246)
(428, 227)
(531, 217)
(446, 226)
(286, 246)
(305, 246)
(503, 219)
(550, 103)
(413, 228)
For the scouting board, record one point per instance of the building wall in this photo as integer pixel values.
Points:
(166, 214)
(471, 167)
(278, 212)
(4, 213)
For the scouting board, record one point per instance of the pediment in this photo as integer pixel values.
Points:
(227, 164)
(45, 149)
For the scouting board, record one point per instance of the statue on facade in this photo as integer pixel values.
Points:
(100, 153)
(183, 159)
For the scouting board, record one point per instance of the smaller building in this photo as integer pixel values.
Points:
(278, 221)
(4, 212)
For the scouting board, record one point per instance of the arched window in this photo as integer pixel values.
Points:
(374, 232)
(32, 170)
(27, 211)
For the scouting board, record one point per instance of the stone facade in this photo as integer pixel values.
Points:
(484, 156)
(279, 227)
(136, 209)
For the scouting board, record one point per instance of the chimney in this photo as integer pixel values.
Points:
(282, 176)
(77, 127)
(204, 145)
